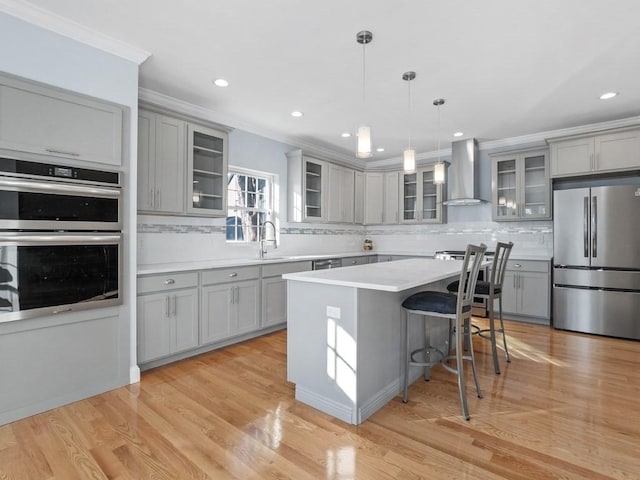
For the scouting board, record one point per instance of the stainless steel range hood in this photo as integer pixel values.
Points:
(463, 174)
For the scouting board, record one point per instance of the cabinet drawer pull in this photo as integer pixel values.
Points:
(353, 262)
(169, 281)
(62, 152)
(234, 274)
(517, 265)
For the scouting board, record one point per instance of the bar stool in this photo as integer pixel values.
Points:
(455, 307)
(491, 291)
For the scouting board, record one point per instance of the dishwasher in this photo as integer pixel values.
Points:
(328, 263)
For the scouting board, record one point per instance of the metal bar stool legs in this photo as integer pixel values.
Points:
(454, 307)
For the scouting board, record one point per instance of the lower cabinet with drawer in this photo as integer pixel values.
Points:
(167, 315)
(230, 303)
(274, 291)
(526, 290)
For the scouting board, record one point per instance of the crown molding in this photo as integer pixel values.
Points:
(565, 132)
(161, 100)
(51, 21)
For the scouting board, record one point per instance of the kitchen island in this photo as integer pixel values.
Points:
(344, 338)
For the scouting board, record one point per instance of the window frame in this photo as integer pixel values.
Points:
(248, 230)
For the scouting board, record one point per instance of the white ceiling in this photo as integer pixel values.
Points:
(506, 68)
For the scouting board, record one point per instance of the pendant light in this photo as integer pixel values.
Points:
(439, 168)
(364, 149)
(409, 155)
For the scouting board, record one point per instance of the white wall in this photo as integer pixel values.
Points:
(40, 55)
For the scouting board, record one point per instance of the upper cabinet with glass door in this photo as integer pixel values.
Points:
(521, 186)
(421, 199)
(207, 171)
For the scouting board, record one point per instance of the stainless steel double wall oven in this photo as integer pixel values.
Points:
(60, 239)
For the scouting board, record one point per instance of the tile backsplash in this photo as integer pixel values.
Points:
(165, 240)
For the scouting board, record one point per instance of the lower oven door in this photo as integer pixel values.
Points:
(51, 273)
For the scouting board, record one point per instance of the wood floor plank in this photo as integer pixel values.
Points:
(565, 408)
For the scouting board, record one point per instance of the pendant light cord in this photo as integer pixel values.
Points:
(364, 71)
(409, 129)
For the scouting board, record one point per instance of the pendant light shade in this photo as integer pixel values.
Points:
(363, 143)
(439, 176)
(438, 173)
(409, 157)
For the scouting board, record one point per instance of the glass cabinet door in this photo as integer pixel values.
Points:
(506, 185)
(536, 190)
(410, 197)
(207, 171)
(429, 196)
(313, 189)
(521, 185)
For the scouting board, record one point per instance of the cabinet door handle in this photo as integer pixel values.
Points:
(591, 161)
(62, 152)
(237, 294)
(514, 281)
(152, 197)
(169, 281)
(166, 306)
(158, 198)
(175, 305)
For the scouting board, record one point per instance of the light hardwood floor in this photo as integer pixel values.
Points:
(568, 406)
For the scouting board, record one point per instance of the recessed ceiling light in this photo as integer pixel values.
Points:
(458, 134)
(380, 149)
(608, 95)
(345, 135)
(296, 114)
(220, 82)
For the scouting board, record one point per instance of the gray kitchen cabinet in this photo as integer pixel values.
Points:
(49, 121)
(206, 171)
(359, 199)
(391, 198)
(374, 184)
(352, 261)
(229, 303)
(421, 199)
(521, 185)
(526, 290)
(161, 163)
(274, 291)
(167, 313)
(341, 194)
(307, 188)
(616, 150)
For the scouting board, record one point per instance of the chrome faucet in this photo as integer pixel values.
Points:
(261, 236)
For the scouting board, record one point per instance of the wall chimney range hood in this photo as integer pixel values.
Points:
(463, 176)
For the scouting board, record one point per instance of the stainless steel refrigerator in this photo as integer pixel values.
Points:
(596, 243)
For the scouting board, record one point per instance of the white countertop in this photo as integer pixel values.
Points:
(387, 276)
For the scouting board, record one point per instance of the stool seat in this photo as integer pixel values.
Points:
(482, 287)
(431, 301)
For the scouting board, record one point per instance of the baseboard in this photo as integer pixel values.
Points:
(326, 405)
(379, 400)
(134, 374)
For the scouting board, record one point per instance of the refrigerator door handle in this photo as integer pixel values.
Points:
(585, 226)
(594, 226)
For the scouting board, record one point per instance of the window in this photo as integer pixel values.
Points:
(249, 204)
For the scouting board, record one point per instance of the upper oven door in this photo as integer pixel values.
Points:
(47, 274)
(27, 204)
